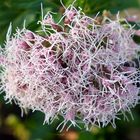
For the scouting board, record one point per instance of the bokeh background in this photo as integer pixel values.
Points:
(30, 126)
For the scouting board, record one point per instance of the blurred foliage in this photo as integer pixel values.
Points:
(30, 126)
(17, 127)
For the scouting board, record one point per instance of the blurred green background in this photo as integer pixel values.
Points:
(30, 126)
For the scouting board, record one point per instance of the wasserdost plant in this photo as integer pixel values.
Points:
(80, 68)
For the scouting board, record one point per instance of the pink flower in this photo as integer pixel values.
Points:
(79, 72)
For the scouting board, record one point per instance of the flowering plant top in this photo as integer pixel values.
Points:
(81, 69)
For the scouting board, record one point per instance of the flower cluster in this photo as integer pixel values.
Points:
(79, 69)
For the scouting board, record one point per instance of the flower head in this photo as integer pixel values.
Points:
(84, 72)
